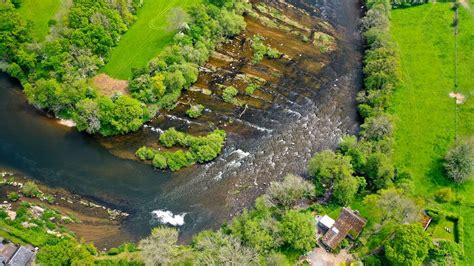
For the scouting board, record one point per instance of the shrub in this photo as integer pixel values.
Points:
(30, 189)
(229, 93)
(459, 162)
(195, 111)
(171, 137)
(159, 161)
(444, 195)
(251, 88)
(145, 153)
(288, 192)
(261, 50)
(113, 251)
(13, 196)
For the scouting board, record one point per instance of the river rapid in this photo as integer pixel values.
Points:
(308, 112)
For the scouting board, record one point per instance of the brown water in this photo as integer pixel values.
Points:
(305, 105)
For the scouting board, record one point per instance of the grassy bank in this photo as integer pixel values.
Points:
(426, 117)
(145, 39)
(39, 12)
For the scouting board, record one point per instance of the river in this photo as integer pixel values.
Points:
(304, 119)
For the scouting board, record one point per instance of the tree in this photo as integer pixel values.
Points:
(66, 252)
(298, 230)
(160, 247)
(86, 116)
(459, 162)
(392, 206)
(288, 192)
(326, 166)
(217, 248)
(379, 170)
(410, 245)
(344, 190)
(377, 128)
(446, 251)
(177, 19)
(121, 115)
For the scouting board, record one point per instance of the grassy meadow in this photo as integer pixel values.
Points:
(39, 12)
(426, 117)
(145, 38)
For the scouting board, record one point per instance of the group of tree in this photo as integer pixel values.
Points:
(176, 68)
(364, 164)
(201, 149)
(255, 237)
(54, 73)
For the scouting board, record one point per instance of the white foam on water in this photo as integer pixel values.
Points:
(167, 217)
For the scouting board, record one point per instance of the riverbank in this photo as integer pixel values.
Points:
(90, 221)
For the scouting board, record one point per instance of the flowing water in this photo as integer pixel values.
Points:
(290, 119)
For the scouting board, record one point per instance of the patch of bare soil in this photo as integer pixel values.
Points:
(458, 96)
(465, 4)
(109, 86)
(93, 222)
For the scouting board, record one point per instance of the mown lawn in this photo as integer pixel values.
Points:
(145, 38)
(425, 125)
(39, 12)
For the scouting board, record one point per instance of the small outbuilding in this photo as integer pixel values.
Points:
(326, 222)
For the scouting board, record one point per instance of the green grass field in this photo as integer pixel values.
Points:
(40, 12)
(145, 39)
(425, 125)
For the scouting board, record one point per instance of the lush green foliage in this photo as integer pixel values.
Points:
(147, 37)
(54, 73)
(287, 193)
(201, 149)
(251, 88)
(208, 27)
(228, 95)
(260, 50)
(410, 245)
(30, 189)
(259, 236)
(298, 230)
(428, 121)
(195, 111)
(66, 252)
(459, 162)
(40, 13)
(334, 172)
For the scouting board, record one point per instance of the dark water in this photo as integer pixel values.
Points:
(300, 121)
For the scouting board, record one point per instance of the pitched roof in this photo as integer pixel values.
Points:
(21, 257)
(349, 222)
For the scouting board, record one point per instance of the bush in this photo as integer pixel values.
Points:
(229, 93)
(260, 50)
(201, 149)
(13, 196)
(145, 153)
(113, 251)
(251, 88)
(459, 162)
(30, 189)
(195, 111)
(444, 195)
(159, 161)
